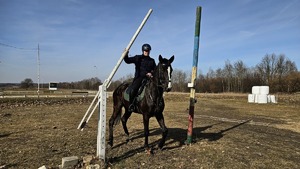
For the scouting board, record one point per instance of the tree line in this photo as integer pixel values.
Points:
(86, 84)
(275, 71)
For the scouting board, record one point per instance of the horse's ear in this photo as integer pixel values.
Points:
(171, 59)
(160, 58)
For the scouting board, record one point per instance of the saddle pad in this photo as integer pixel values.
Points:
(139, 97)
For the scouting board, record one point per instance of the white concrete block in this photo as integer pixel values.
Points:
(69, 162)
(43, 167)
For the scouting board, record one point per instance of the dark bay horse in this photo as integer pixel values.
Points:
(151, 105)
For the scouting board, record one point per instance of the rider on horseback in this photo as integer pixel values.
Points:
(144, 67)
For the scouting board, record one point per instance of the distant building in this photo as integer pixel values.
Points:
(53, 86)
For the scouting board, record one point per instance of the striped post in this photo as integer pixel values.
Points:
(194, 76)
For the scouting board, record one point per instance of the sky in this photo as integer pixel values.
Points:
(81, 39)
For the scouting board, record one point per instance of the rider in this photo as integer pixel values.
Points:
(144, 67)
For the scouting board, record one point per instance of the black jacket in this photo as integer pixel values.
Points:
(143, 64)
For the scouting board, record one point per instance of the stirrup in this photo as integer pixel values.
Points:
(131, 107)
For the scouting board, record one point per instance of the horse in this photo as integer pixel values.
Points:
(152, 104)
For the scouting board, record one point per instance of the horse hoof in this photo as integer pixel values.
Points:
(110, 144)
(128, 140)
(161, 146)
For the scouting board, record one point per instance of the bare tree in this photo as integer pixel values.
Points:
(240, 73)
(228, 73)
(284, 67)
(27, 83)
(179, 79)
(221, 78)
(290, 67)
(292, 82)
(267, 68)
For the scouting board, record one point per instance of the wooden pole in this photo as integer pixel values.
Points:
(194, 76)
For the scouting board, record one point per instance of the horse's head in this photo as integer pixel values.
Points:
(164, 70)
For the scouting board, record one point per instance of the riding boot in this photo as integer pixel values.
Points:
(131, 102)
(144, 82)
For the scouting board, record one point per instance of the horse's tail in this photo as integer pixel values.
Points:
(118, 99)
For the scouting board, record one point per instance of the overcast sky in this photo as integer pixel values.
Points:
(80, 39)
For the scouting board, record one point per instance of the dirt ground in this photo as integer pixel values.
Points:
(228, 133)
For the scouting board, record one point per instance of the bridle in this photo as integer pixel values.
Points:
(161, 82)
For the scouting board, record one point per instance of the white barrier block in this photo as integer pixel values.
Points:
(272, 99)
(264, 90)
(269, 98)
(255, 90)
(251, 98)
(262, 98)
(69, 162)
(42, 167)
(256, 98)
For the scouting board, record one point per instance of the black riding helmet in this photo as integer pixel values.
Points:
(146, 47)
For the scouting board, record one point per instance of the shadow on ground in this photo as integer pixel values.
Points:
(176, 138)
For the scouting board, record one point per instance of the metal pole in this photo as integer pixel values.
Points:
(194, 76)
(82, 122)
(38, 74)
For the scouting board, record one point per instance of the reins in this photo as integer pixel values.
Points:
(159, 86)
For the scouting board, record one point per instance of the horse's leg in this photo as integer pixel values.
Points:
(115, 117)
(161, 122)
(146, 133)
(124, 119)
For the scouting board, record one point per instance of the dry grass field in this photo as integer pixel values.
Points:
(228, 133)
